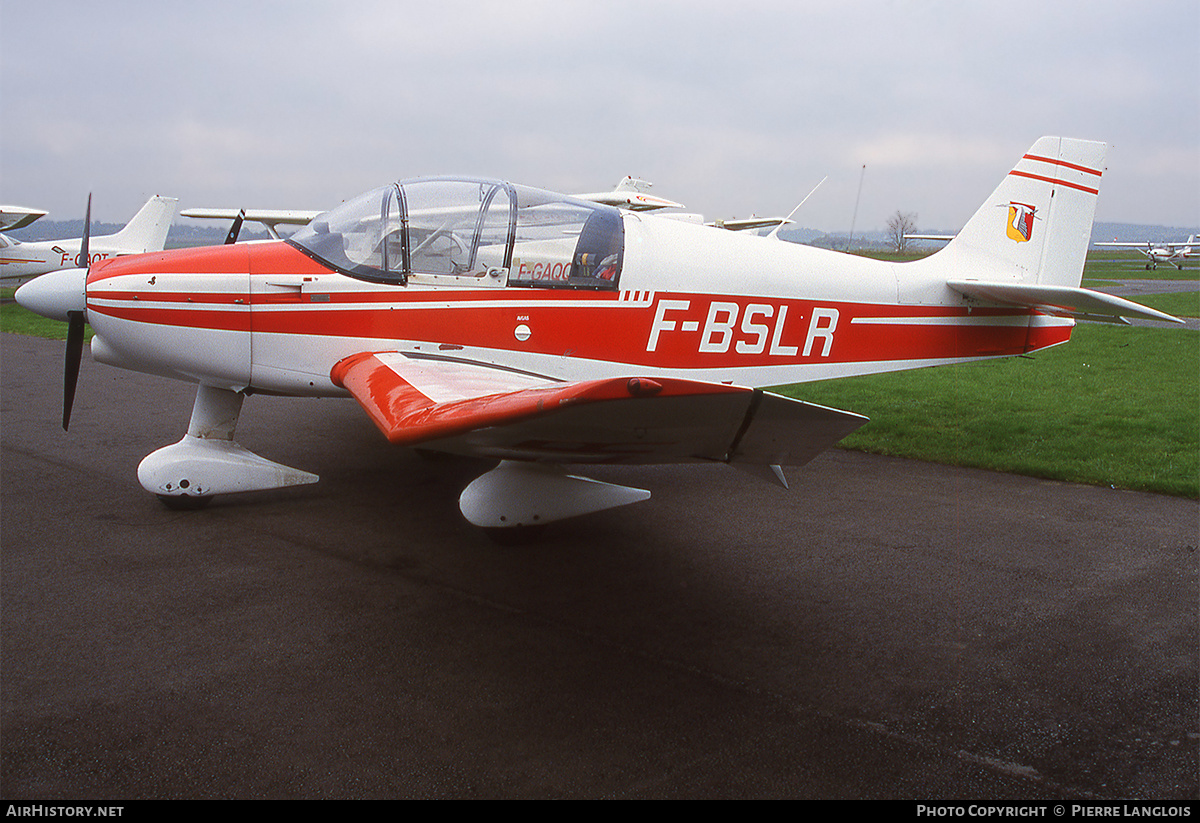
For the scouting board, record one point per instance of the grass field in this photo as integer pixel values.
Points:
(1116, 406)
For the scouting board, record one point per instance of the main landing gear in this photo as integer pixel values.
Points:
(514, 501)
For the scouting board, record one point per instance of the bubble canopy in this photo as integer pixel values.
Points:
(468, 227)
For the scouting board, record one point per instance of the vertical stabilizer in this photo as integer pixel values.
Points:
(147, 231)
(1036, 226)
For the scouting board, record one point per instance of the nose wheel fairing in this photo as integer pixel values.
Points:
(207, 461)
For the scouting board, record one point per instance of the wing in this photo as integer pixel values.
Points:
(469, 407)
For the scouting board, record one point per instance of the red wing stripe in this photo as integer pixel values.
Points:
(1054, 181)
(1063, 163)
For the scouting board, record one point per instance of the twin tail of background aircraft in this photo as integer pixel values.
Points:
(483, 318)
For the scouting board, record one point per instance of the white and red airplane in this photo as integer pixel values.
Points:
(23, 260)
(483, 318)
(1174, 253)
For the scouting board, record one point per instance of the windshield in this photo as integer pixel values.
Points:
(469, 228)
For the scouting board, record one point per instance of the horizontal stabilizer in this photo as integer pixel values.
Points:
(1059, 300)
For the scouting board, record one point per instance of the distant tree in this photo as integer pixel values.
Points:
(900, 224)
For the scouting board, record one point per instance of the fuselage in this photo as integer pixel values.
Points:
(21, 261)
(690, 301)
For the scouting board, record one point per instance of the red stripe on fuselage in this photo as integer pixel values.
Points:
(693, 331)
(622, 333)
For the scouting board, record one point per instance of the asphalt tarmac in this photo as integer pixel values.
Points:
(886, 629)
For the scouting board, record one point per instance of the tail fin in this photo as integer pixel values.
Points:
(1027, 243)
(1036, 226)
(147, 231)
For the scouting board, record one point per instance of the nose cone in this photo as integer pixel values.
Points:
(55, 293)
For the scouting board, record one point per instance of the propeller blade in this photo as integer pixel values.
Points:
(82, 261)
(236, 228)
(75, 324)
(71, 365)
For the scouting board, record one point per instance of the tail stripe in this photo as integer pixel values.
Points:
(1052, 161)
(1056, 181)
(1034, 228)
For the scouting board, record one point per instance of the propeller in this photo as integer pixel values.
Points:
(236, 228)
(62, 295)
(75, 322)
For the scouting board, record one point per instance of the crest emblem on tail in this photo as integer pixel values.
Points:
(1020, 221)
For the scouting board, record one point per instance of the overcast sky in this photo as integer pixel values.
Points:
(729, 108)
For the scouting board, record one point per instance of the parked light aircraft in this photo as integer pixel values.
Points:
(1174, 253)
(483, 318)
(147, 231)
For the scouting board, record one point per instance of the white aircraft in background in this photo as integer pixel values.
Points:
(24, 260)
(1174, 253)
(630, 195)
